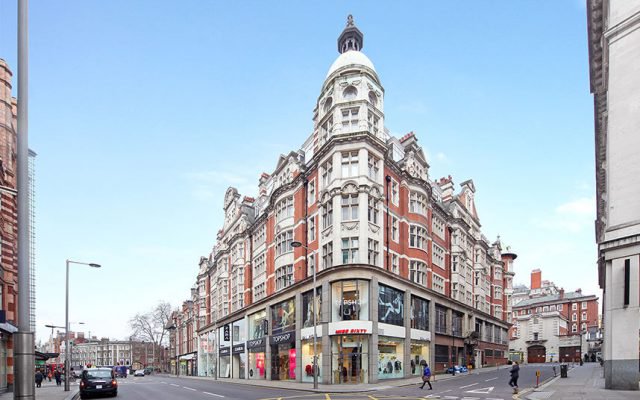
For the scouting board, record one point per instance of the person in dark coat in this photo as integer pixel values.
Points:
(58, 377)
(515, 374)
(426, 376)
(39, 378)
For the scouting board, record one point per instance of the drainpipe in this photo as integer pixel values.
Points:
(388, 179)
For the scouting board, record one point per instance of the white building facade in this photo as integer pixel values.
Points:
(614, 51)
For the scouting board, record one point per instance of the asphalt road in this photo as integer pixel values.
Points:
(487, 385)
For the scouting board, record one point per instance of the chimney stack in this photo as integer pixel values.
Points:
(536, 279)
(561, 293)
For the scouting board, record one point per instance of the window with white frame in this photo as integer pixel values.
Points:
(260, 236)
(395, 268)
(437, 256)
(584, 315)
(583, 305)
(311, 192)
(349, 164)
(574, 306)
(374, 167)
(326, 171)
(418, 272)
(574, 328)
(284, 208)
(545, 308)
(437, 283)
(497, 273)
(418, 203)
(559, 307)
(350, 250)
(350, 207)
(311, 264)
(583, 327)
(326, 128)
(454, 264)
(374, 212)
(349, 119)
(283, 242)
(372, 121)
(259, 292)
(417, 237)
(284, 276)
(497, 292)
(327, 255)
(327, 214)
(438, 226)
(574, 317)
(259, 265)
(312, 228)
(374, 252)
(395, 192)
(394, 228)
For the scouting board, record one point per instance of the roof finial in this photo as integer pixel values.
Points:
(350, 20)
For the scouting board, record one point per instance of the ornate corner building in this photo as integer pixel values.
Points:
(404, 273)
(614, 51)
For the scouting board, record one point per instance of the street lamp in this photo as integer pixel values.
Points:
(296, 244)
(66, 323)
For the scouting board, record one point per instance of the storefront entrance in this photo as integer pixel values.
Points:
(283, 356)
(350, 359)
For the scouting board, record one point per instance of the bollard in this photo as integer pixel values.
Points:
(537, 378)
(554, 371)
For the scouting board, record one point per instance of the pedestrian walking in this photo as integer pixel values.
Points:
(58, 377)
(39, 378)
(426, 377)
(515, 374)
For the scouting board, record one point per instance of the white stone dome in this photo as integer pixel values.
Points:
(352, 57)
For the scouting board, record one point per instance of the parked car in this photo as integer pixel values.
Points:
(98, 381)
(139, 372)
(458, 369)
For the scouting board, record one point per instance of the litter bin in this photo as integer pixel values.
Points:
(563, 370)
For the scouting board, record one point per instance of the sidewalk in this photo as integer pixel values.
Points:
(308, 386)
(49, 391)
(583, 383)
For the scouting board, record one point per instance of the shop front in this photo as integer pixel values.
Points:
(283, 356)
(283, 341)
(311, 307)
(225, 362)
(420, 335)
(239, 337)
(206, 354)
(391, 330)
(257, 349)
(350, 358)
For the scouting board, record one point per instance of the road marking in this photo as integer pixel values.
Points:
(213, 394)
(485, 390)
(446, 391)
(326, 396)
(188, 388)
(173, 384)
(487, 380)
(466, 386)
(164, 382)
(372, 398)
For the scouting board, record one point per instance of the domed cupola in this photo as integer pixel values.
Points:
(351, 37)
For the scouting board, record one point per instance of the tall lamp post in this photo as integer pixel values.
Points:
(296, 244)
(66, 323)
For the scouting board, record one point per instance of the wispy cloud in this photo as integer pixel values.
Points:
(573, 216)
(208, 185)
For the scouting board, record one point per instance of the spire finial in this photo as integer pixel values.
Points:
(350, 21)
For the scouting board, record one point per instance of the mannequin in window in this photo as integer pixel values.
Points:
(394, 307)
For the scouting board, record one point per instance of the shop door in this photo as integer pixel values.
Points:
(350, 365)
(536, 354)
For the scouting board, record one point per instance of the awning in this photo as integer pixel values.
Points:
(187, 356)
(8, 327)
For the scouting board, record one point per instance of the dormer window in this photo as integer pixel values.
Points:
(350, 93)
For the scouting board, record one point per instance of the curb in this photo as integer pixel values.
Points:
(73, 396)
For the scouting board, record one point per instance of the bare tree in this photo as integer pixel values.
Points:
(150, 326)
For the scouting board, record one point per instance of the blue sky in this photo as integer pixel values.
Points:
(143, 113)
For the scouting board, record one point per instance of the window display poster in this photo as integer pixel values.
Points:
(283, 317)
(390, 306)
(308, 307)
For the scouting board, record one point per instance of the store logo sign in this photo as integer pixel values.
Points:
(225, 351)
(252, 344)
(349, 331)
(283, 338)
(239, 348)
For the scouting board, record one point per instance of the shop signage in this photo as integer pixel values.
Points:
(225, 351)
(227, 333)
(238, 348)
(287, 337)
(351, 328)
(256, 343)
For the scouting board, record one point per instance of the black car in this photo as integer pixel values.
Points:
(96, 381)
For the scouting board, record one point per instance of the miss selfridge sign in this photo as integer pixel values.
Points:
(287, 337)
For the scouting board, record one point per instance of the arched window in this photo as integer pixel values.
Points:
(373, 99)
(350, 93)
(327, 104)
